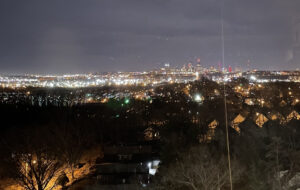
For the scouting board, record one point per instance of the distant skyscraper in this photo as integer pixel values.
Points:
(183, 69)
(198, 67)
(190, 67)
(219, 66)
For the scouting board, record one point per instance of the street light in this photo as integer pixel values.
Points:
(127, 101)
(198, 98)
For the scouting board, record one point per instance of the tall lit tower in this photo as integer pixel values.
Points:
(229, 69)
(198, 66)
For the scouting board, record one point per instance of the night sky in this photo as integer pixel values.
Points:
(79, 36)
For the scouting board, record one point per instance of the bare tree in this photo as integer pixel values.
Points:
(283, 163)
(199, 169)
(71, 143)
(34, 164)
(37, 170)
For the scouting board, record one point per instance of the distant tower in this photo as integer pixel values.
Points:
(167, 67)
(219, 66)
(198, 66)
(183, 69)
(190, 67)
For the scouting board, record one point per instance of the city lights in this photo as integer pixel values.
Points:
(198, 98)
(253, 78)
(127, 101)
(144, 95)
(145, 78)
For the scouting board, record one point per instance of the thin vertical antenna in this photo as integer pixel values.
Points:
(225, 99)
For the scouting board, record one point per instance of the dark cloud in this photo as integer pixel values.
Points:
(109, 35)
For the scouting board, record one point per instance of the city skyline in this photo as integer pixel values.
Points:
(150, 94)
